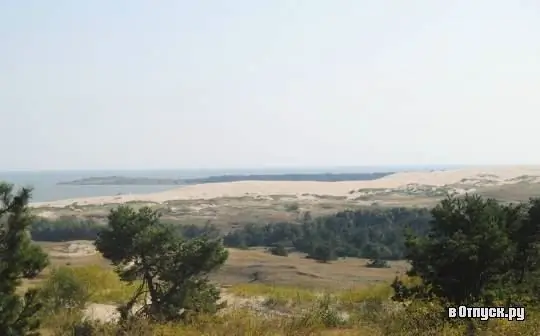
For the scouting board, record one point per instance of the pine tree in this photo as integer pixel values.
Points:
(19, 259)
(171, 269)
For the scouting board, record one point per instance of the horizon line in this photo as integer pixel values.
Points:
(247, 168)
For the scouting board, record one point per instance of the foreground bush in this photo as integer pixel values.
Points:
(171, 270)
(101, 285)
(320, 319)
(63, 290)
(19, 259)
(365, 310)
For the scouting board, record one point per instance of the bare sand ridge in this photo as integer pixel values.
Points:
(489, 176)
(109, 312)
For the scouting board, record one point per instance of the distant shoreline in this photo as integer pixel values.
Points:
(321, 177)
(406, 184)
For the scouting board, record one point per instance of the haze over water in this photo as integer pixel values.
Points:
(46, 188)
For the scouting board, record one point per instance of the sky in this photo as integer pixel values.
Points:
(170, 84)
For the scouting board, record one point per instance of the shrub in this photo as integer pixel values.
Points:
(292, 207)
(378, 263)
(64, 290)
(19, 259)
(279, 250)
(172, 270)
(323, 253)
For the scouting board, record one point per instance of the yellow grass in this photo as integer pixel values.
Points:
(313, 302)
(319, 319)
(104, 285)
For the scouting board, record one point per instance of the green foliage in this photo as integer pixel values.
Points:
(103, 284)
(190, 231)
(64, 229)
(64, 290)
(279, 250)
(74, 228)
(19, 259)
(367, 233)
(477, 251)
(323, 253)
(292, 207)
(34, 259)
(324, 314)
(377, 263)
(172, 270)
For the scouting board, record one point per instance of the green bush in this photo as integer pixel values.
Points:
(292, 207)
(377, 263)
(279, 250)
(64, 290)
(323, 253)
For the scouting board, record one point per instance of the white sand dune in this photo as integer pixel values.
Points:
(488, 176)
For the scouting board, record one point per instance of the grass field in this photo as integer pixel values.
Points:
(294, 270)
(290, 296)
(297, 270)
(226, 213)
(230, 212)
(295, 296)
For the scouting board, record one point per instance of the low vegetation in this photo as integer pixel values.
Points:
(64, 229)
(279, 250)
(466, 251)
(367, 233)
(171, 271)
(19, 259)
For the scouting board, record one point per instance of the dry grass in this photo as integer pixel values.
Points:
(224, 212)
(314, 303)
(228, 212)
(514, 192)
(296, 270)
(57, 261)
(322, 317)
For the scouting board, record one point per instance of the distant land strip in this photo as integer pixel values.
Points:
(325, 177)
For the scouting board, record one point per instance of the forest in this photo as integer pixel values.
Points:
(376, 233)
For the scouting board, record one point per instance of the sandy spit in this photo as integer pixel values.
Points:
(497, 175)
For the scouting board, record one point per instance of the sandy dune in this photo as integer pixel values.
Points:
(472, 176)
(109, 313)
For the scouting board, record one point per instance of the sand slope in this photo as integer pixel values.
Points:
(466, 176)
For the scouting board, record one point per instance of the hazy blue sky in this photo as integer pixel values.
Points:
(189, 84)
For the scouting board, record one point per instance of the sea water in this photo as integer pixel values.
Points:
(46, 188)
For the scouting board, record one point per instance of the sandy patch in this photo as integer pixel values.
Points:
(109, 312)
(469, 176)
(47, 214)
(74, 249)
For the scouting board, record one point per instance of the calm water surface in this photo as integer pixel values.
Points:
(46, 188)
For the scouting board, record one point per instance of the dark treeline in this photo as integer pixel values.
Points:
(367, 233)
(64, 229)
(322, 177)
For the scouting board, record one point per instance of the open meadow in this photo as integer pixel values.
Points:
(291, 296)
(242, 265)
